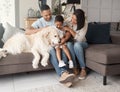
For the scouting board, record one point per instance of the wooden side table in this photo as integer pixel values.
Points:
(29, 21)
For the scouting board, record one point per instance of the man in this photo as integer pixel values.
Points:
(47, 20)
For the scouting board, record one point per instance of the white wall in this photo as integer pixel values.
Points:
(102, 10)
(24, 5)
(15, 11)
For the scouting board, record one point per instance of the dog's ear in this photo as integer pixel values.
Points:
(46, 34)
(45, 37)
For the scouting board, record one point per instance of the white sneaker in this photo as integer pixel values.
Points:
(71, 64)
(61, 64)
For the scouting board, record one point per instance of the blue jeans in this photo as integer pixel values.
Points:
(75, 49)
(79, 52)
(54, 61)
(72, 53)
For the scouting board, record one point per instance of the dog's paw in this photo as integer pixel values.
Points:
(35, 66)
(44, 64)
(4, 55)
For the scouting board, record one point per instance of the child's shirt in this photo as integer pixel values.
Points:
(60, 32)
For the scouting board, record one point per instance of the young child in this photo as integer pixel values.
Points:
(59, 25)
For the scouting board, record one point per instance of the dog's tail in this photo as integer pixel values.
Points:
(3, 53)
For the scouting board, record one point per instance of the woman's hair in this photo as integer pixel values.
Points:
(59, 18)
(80, 15)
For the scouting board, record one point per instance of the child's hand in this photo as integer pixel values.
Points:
(62, 41)
(57, 45)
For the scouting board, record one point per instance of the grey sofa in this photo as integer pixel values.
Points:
(17, 63)
(102, 58)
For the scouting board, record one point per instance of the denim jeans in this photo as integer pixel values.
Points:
(72, 53)
(75, 48)
(54, 61)
(79, 52)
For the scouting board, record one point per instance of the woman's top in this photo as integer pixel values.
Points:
(61, 33)
(80, 34)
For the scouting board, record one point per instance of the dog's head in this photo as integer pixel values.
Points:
(52, 35)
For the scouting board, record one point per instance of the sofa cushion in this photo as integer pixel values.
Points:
(22, 58)
(1, 35)
(10, 31)
(98, 33)
(1, 43)
(19, 63)
(103, 69)
(103, 53)
(115, 37)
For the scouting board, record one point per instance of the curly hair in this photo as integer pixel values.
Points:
(59, 18)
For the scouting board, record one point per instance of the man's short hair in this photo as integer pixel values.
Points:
(45, 7)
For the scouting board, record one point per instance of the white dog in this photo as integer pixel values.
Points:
(38, 43)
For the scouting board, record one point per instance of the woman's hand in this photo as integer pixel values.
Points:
(72, 32)
(66, 28)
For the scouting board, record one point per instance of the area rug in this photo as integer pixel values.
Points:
(93, 83)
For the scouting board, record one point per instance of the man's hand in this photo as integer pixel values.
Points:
(32, 31)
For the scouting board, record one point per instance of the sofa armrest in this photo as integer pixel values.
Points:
(115, 37)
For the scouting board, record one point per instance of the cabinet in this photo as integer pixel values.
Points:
(29, 21)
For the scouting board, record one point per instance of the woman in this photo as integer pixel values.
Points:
(78, 29)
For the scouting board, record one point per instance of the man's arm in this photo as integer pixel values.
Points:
(35, 27)
(32, 31)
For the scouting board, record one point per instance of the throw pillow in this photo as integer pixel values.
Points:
(1, 35)
(10, 31)
(98, 33)
(1, 44)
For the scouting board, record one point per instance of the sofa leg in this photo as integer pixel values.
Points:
(104, 80)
